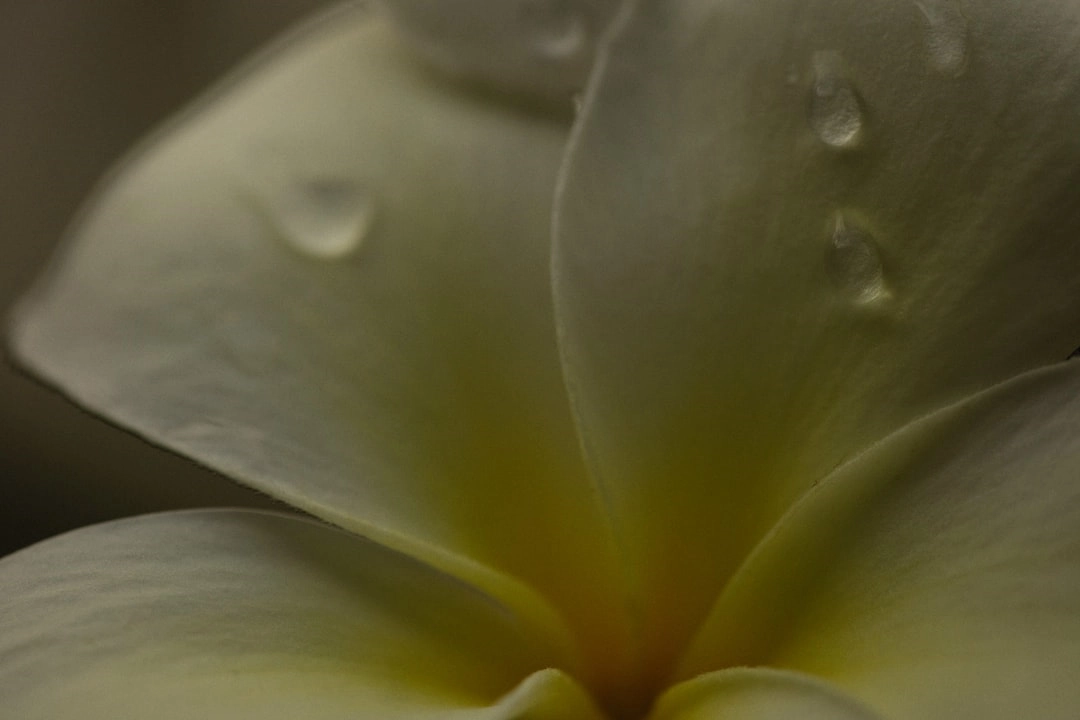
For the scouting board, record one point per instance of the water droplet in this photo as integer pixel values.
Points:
(835, 112)
(947, 35)
(556, 28)
(853, 263)
(322, 215)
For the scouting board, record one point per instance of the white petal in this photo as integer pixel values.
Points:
(789, 227)
(228, 614)
(935, 576)
(329, 280)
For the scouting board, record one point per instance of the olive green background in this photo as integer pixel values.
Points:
(80, 81)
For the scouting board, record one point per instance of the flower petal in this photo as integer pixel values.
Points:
(229, 614)
(330, 282)
(535, 47)
(758, 694)
(938, 574)
(787, 228)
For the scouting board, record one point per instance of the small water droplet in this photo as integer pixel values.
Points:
(835, 112)
(578, 100)
(853, 263)
(322, 215)
(946, 36)
(556, 28)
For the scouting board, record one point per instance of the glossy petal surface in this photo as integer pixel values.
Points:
(789, 227)
(758, 694)
(938, 574)
(329, 280)
(228, 614)
(541, 48)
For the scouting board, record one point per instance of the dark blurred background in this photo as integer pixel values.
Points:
(80, 81)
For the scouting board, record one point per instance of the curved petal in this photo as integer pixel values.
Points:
(535, 47)
(229, 614)
(938, 574)
(330, 282)
(758, 694)
(787, 228)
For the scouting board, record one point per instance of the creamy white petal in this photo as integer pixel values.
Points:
(935, 576)
(230, 614)
(758, 694)
(789, 227)
(533, 47)
(329, 280)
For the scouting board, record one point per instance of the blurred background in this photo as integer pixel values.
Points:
(80, 82)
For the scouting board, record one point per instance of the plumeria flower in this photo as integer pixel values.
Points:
(744, 397)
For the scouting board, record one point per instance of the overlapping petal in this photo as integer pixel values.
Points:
(539, 48)
(229, 614)
(787, 228)
(758, 694)
(330, 281)
(935, 576)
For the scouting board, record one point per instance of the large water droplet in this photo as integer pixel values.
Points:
(853, 263)
(946, 35)
(835, 112)
(322, 215)
(556, 29)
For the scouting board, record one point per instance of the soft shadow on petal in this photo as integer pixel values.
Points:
(937, 575)
(330, 281)
(786, 229)
(231, 614)
(540, 48)
(758, 694)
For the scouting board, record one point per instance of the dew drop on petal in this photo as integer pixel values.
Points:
(853, 263)
(321, 215)
(557, 30)
(577, 100)
(946, 35)
(835, 112)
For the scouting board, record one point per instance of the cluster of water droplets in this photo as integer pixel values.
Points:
(853, 261)
(327, 216)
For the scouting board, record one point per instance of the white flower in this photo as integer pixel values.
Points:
(782, 428)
